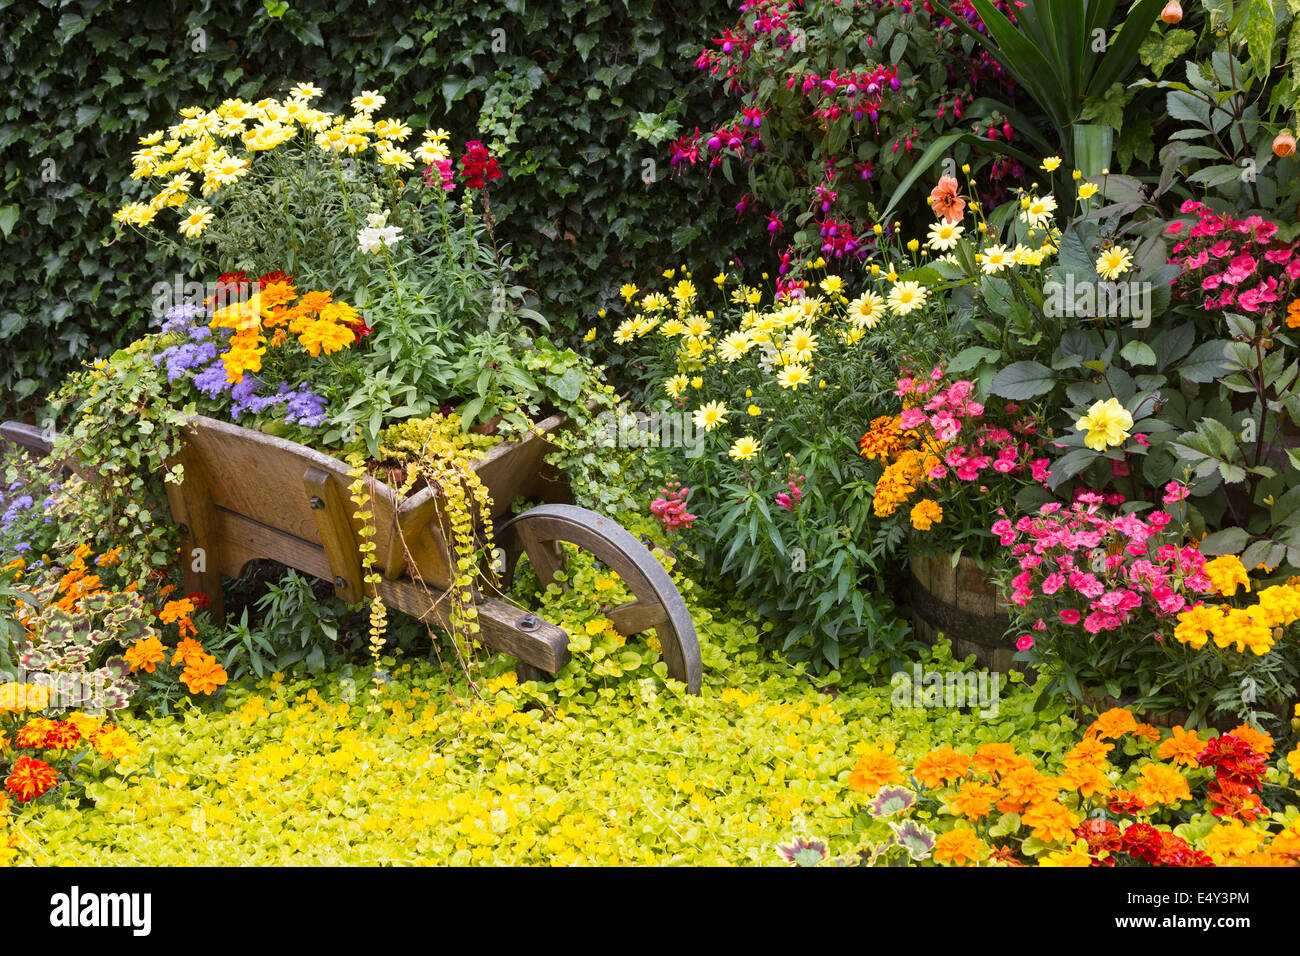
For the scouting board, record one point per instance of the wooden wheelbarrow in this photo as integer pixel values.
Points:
(249, 495)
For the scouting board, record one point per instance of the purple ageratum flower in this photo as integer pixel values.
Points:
(212, 381)
(180, 319)
(180, 359)
(304, 408)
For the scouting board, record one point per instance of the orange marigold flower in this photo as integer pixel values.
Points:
(1158, 783)
(874, 769)
(1147, 732)
(998, 759)
(1087, 778)
(941, 766)
(1024, 786)
(146, 654)
(1050, 821)
(1088, 752)
(1115, 723)
(959, 847)
(1293, 314)
(174, 610)
(187, 651)
(1182, 747)
(883, 439)
(203, 675)
(31, 778)
(973, 800)
(33, 733)
(1256, 740)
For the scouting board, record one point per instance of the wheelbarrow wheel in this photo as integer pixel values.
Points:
(658, 606)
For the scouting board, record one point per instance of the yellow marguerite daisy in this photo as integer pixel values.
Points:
(710, 416)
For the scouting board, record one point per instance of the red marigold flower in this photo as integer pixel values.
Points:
(1233, 760)
(1123, 803)
(1143, 842)
(64, 735)
(274, 276)
(31, 778)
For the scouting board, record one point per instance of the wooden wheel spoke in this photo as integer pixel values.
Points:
(657, 606)
(545, 556)
(636, 616)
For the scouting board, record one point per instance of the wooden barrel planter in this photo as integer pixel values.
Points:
(960, 602)
(248, 495)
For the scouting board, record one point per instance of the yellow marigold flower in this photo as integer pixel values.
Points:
(326, 337)
(959, 847)
(1077, 855)
(1226, 573)
(926, 513)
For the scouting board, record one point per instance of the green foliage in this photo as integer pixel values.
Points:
(125, 431)
(79, 82)
(1054, 52)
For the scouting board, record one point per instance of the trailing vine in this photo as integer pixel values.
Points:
(435, 451)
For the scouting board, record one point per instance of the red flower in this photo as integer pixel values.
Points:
(1233, 760)
(477, 165)
(31, 778)
(1143, 842)
(275, 276)
(198, 599)
(64, 735)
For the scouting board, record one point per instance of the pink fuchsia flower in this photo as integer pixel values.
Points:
(1024, 642)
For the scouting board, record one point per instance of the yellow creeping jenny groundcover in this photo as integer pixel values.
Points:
(610, 764)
